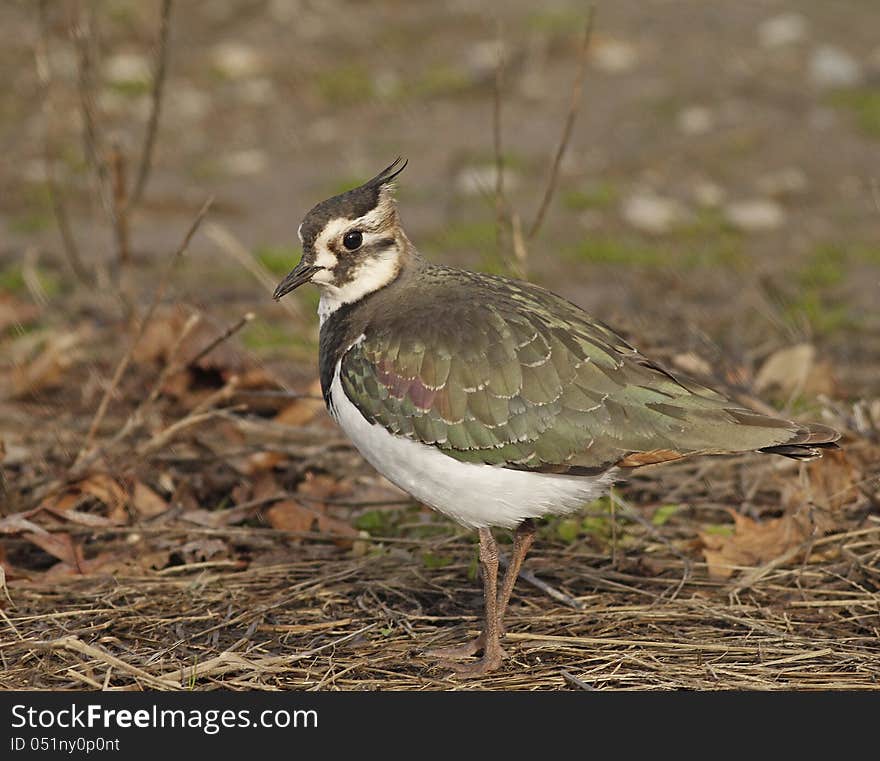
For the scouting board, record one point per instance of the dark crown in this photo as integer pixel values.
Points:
(351, 204)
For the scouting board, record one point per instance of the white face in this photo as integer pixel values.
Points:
(355, 257)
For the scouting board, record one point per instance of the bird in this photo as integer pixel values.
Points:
(493, 400)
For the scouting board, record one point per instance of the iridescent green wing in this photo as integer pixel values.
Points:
(522, 378)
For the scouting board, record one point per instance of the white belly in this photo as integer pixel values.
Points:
(473, 494)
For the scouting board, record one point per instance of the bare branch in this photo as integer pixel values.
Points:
(120, 228)
(80, 461)
(146, 161)
(224, 336)
(82, 33)
(59, 210)
(500, 204)
(573, 108)
(227, 242)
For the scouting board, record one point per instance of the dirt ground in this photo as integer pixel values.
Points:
(176, 509)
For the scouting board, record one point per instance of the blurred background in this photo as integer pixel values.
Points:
(718, 179)
(718, 202)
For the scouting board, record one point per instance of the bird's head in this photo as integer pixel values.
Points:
(352, 243)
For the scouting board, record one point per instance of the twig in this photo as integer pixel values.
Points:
(573, 108)
(546, 588)
(227, 242)
(573, 680)
(225, 336)
(126, 359)
(500, 204)
(171, 365)
(630, 511)
(76, 645)
(120, 227)
(31, 278)
(59, 210)
(83, 39)
(520, 250)
(146, 161)
(167, 434)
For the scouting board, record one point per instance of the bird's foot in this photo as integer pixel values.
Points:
(490, 661)
(450, 657)
(458, 652)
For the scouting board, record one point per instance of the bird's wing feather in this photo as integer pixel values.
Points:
(522, 378)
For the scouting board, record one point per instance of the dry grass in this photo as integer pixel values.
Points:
(311, 615)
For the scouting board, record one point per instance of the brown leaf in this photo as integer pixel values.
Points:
(303, 410)
(831, 484)
(14, 311)
(46, 369)
(203, 549)
(753, 543)
(320, 486)
(98, 486)
(261, 461)
(59, 545)
(794, 369)
(147, 503)
(289, 515)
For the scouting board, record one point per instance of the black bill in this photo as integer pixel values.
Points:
(295, 278)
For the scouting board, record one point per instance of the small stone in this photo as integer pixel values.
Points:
(480, 180)
(709, 195)
(127, 67)
(246, 162)
(781, 30)
(696, 120)
(755, 215)
(257, 92)
(591, 219)
(614, 56)
(481, 59)
(782, 183)
(235, 60)
(187, 103)
(386, 83)
(653, 214)
(832, 67)
(325, 130)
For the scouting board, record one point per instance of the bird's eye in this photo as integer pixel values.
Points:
(353, 240)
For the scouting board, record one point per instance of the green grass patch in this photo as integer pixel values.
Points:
(345, 84)
(477, 235)
(130, 88)
(718, 529)
(438, 81)
(12, 281)
(279, 260)
(816, 298)
(599, 196)
(688, 251)
(864, 104)
(431, 560)
(37, 213)
(621, 251)
(263, 337)
(824, 317)
(378, 522)
(556, 21)
(825, 268)
(663, 513)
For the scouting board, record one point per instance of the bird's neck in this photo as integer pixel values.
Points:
(399, 261)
